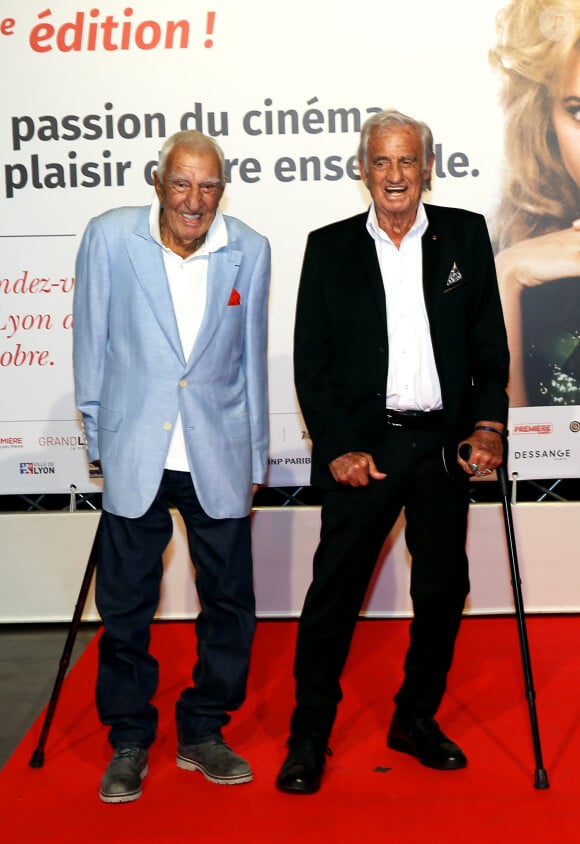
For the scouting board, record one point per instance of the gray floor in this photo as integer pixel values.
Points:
(29, 661)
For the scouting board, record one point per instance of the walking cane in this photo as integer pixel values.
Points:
(37, 758)
(540, 775)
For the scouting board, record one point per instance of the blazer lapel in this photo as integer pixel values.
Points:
(147, 260)
(441, 273)
(365, 247)
(222, 273)
(433, 252)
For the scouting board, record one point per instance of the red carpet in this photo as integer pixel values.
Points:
(369, 792)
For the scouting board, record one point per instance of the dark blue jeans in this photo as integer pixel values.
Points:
(127, 595)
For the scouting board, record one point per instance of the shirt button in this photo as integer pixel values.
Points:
(168, 426)
(183, 383)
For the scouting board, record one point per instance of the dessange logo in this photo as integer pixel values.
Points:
(543, 454)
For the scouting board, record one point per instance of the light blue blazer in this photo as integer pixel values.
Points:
(131, 377)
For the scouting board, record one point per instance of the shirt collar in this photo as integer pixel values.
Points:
(216, 238)
(417, 229)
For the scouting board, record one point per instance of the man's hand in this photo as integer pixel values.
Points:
(486, 450)
(355, 469)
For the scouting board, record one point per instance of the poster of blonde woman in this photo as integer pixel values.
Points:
(538, 223)
(536, 229)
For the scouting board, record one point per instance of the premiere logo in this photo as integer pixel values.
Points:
(533, 428)
(11, 442)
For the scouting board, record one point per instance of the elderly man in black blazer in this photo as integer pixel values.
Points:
(400, 358)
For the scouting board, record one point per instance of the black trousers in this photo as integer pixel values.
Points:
(355, 524)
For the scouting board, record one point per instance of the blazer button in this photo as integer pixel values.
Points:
(168, 426)
(183, 383)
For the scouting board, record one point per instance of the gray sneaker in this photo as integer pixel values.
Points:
(121, 781)
(216, 761)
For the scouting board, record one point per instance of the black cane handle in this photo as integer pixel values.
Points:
(465, 451)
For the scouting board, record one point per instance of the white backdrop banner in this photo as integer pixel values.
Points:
(91, 91)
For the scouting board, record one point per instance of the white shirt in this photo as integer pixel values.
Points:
(187, 279)
(412, 379)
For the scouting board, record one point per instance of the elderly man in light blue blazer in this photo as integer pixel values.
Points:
(169, 352)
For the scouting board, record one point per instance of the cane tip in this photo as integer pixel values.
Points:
(37, 760)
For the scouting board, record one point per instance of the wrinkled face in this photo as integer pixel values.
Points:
(394, 173)
(566, 117)
(189, 194)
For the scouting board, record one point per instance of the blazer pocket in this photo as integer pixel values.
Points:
(452, 287)
(238, 426)
(109, 420)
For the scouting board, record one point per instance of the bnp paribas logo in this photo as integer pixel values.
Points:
(44, 468)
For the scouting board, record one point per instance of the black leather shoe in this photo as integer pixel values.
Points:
(422, 738)
(303, 767)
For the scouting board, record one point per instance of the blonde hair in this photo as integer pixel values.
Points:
(539, 193)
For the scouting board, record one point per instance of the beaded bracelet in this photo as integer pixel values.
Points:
(502, 434)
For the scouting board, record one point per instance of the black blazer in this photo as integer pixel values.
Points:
(341, 352)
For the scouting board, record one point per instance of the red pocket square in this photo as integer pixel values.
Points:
(234, 297)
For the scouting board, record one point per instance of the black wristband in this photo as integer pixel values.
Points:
(501, 434)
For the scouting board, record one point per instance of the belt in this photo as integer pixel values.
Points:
(414, 420)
